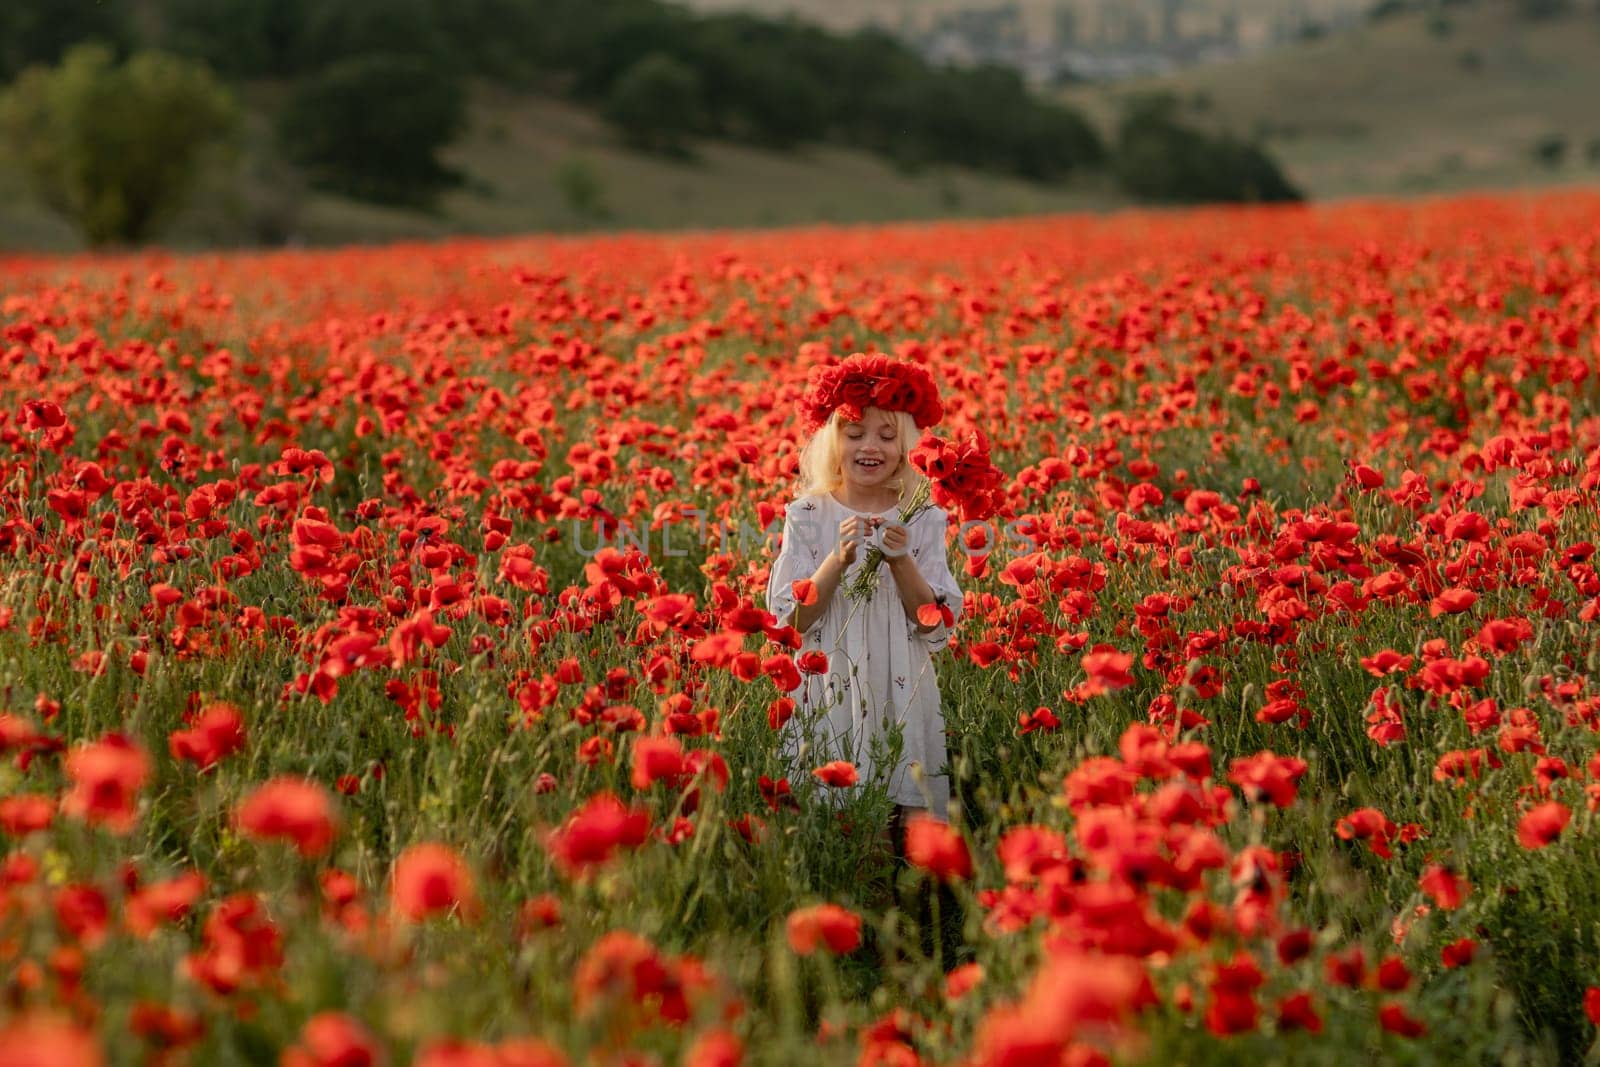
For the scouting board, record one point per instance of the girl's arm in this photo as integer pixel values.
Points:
(923, 577)
(826, 579)
(915, 592)
(829, 571)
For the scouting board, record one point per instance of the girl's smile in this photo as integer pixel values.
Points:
(870, 455)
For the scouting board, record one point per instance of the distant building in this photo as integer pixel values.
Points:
(1053, 40)
(1112, 39)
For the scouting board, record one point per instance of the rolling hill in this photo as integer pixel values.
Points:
(1413, 103)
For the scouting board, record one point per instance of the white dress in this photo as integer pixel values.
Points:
(880, 667)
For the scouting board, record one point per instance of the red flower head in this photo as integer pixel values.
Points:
(1108, 669)
(594, 833)
(840, 774)
(1543, 825)
(106, 778)
(40, 1040)
(294, 809)
(1446, 888)
(1268, 777)
(432, 879)
(871, 381)
(937, 848)
(1369, 825)
(334, 1039)
(823, 925)
(240, 946)
(218, 732)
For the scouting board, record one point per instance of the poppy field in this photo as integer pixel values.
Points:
(386, 675)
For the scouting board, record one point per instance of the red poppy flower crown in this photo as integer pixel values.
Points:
(871, 381)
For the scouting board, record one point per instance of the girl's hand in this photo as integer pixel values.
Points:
(852, 532)
(896, 536)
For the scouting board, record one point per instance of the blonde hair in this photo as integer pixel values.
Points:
(820, 469)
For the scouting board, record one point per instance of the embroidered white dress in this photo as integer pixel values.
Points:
(880, 669)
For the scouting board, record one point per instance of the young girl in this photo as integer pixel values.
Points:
(854, 477)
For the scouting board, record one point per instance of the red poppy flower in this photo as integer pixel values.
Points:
(1233, 1007)
(595, 832)
(628, 973)
(82, 914)
(1107, 669)
(1394, 1019)
(106, 777)
(780, 711)
(1293, 947)
(657, 759)
(962, 980)
(1392, 976)
(823, 926)
(26, 813)
(1347, 968)
(32, 1040)
(292, 809)
(1296, 1012)
(150, 906)
(1268, 777)
(1452, 602)
(39, 415)
(1388, 661)
(839, 774)
(715, 1048)
(1458, 953)
(165, 1027)
(542, 912)
(217, 732)
(430, 880)
(240, 946)
(938, 848)
(334, 1039)
(1037, 719)
(1543, 824)
(1446, 888)
(1370, 825)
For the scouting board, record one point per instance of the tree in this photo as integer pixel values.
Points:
(657, 104)
(239, 38)
(333, 32)
(41, 31)
(1159, 158)
(757, 86)
(115, 148)
(1543, 9)
(371, 127)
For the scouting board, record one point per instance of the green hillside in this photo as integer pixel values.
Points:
(1412, 103)
(521, 157)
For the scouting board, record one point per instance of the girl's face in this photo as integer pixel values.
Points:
(870, 450)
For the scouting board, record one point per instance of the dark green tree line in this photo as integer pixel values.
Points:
(370, 91)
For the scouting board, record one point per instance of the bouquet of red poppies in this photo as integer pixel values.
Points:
(961, 479)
